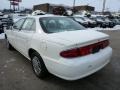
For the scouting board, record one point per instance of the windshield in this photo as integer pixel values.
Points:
(59, 24)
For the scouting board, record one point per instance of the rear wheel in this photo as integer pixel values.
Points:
(38, 65)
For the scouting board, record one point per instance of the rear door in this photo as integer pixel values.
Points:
(24, 36)
(12, 34)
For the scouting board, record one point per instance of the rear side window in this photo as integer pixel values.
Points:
(33, 27)
(19, 24)
(29, 24)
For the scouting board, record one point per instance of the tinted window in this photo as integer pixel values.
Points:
(29, 24)
(18, 24)
(59, 24)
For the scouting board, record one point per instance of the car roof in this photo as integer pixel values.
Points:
(40, 16)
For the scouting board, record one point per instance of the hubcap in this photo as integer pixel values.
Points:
(36, 65)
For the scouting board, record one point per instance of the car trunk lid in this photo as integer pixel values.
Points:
(80, 37)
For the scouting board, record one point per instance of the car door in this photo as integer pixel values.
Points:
(11, 34)
(24, 36)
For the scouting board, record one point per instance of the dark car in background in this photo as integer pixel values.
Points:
(1, 27)
(100, 22)
(115, 20)
(85, 21)
(80, 20)
(6, 21)
(91, 23)
(109, 23)
(1, 24)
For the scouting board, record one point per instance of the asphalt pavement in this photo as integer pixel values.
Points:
(16, 72)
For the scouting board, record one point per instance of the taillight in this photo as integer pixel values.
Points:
(70, 53)
(105, 43)
(82, 51)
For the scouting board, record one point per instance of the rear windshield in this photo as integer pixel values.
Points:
(59, 24)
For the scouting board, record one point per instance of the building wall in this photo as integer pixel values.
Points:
(48, 7)
(86, 8)
(43, 7)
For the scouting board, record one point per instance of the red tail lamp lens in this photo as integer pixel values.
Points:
(82, 51)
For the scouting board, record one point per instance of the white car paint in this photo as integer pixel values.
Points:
(49, 47)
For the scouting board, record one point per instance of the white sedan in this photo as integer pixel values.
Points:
(60, 46)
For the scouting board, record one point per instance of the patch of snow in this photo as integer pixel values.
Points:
(20, 70)
(109, 29)
(96, 28)
(2, 36)
(23, 71)
(5, 66)
(24, 78)
(2, 72)
(117, 27)
(16, 69)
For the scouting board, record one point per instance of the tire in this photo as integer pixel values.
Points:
(38, 66)
(8, 45)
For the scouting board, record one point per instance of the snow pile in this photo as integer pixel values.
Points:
(96, 28)
(2, 36)
(109, 29)
(117, 27)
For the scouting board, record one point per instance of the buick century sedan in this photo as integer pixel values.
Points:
(59, 45)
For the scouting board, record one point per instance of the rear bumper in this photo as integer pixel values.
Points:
(73, 69)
